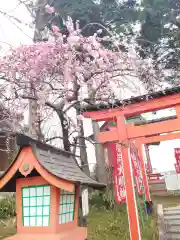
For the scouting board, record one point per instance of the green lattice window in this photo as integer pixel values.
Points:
(36, 206)
(67, 206)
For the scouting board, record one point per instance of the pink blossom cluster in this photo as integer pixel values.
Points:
(33, 62)
(49, 9)
(72, 67)
(71, 60)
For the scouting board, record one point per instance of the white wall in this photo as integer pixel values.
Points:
(162, 156)
(172, 181)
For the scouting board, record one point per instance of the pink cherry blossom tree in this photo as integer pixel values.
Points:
(63, 72)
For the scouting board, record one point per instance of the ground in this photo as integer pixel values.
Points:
(108, 224)
(7, 228)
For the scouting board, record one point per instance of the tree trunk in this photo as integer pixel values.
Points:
(85, 167)
(65, 130)
(41, 20)
(82, 144)
(100, 160)
(33, 115)
(83, 152)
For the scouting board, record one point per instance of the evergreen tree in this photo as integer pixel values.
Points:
(158, 21)
(160, 34)
(111, 14)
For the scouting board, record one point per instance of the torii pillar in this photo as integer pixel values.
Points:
(133, 218)
(119, 134)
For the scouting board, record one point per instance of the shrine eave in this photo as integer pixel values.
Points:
(51, 163)
(103, 105)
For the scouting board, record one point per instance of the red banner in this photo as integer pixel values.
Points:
(115, 154)
(136, 168)
(177, 167)
(119, 187)
(177, 154)
(177, 157)
(148, 164)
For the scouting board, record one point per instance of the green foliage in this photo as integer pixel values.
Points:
(158, 21)
(7, 207)
(112, 14)
(110, 221)
(159, 35)
(107, 224)
(101, 199)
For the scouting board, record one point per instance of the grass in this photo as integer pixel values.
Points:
(107, 224)
(113, 225)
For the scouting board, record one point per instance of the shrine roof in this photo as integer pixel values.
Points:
(94, 106)
(60, 163)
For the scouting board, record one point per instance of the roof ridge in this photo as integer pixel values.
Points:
(24, 140)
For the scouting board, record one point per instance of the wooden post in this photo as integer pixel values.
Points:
(134, 227)
(41, 19)
(101, 165)
(32, 118)
(146, 146)
(161, 224)
(143, 170)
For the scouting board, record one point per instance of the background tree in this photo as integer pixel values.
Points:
(113, 15)
(154, 23)
(159, 35)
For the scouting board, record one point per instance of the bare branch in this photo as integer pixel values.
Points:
(88, 139)
(11, 18)
(51, 105)
(27, 7)
(53, 138)
(70, 106)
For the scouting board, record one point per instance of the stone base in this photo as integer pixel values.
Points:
(75, 234)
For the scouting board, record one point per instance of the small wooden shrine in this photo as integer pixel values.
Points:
(47, 185)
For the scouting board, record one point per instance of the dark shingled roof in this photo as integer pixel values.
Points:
(117, 103)
(60, 163)
(63, 166)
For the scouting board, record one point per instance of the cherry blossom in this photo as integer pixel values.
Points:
(49, 9)
(68, 69)
(55, 29)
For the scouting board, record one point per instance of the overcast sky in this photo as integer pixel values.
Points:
(11, 32)
(14, 34)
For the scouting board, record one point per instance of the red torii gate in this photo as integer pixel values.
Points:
(142, 134)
